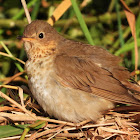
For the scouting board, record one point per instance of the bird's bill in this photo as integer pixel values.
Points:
(28, 39)
(25, 38)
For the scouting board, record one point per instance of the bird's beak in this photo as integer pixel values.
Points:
(28, 39)
(25, 38)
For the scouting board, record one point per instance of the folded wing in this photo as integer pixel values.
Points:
(93, 74)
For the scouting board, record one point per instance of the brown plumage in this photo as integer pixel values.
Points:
(71, 80)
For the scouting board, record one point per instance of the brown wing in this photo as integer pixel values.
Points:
(83, 73)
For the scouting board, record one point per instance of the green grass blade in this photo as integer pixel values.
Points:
(82, 22)
(126, 48)
(119, 23)
(35, 10)
(8, 130)
(16, 63)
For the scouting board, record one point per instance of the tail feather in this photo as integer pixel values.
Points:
(134, 87)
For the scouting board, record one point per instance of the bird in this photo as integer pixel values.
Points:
(73, 81)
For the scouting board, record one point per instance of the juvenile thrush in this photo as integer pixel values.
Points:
(71, 80)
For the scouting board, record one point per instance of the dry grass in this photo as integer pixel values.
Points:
(120, 123)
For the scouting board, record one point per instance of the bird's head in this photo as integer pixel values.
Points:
(40, 39)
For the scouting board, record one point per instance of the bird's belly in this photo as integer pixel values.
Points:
(65, 103)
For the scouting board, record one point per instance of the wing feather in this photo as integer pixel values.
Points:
(102, 79)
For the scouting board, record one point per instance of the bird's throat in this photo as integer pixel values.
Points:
(37, 50)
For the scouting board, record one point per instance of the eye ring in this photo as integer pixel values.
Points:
(41, 35)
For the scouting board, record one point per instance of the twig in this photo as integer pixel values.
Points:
(25, 117)
(26, 10)
(5, 54)
(9, 86)
(58, 129)
(15, 103)
(15, 137)
(13, 77)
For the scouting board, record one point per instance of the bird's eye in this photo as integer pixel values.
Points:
(41, 35)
